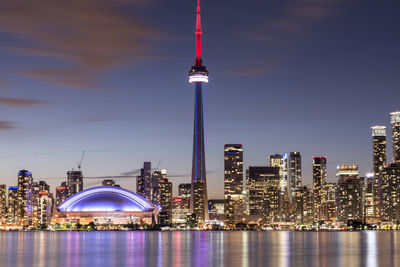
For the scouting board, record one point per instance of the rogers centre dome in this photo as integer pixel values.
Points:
(105, 205)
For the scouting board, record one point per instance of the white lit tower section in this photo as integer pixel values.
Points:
(395, 120)
(198, 75)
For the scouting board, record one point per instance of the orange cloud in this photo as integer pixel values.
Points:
(20, 102)
(7, 125)
(86, 37)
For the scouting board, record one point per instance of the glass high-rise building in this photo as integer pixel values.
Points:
(144, 182)
(233, 182)
(3, 203)
(319, 185)
(395, 121)
(378, 164)
(389, 193)
(295, 177)
(61, 193)
(25, 207)
(281, 161)
(12, 209)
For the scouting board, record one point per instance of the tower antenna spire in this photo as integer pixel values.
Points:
(198, 33)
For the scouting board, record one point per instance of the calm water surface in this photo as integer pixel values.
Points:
(369, 248)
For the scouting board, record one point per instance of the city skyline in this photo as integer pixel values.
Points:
(56, 122)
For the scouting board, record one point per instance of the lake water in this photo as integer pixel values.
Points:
(141, 248)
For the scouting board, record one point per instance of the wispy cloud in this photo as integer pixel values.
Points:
(21, 102)
(86, 37)
(297, 15)
(3, 83)
(7, 125)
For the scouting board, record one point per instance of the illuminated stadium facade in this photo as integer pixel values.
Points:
(105, 205)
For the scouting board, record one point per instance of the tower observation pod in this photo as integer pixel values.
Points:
(198, 75)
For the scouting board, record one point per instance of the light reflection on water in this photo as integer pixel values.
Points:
(139, 248)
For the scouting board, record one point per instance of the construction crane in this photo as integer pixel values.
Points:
(80, 163)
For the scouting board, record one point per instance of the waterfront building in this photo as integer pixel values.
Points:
(350, 194)
(329, 208)
(12, 208)
(3, 204)
(104, 206)
(144, 182)
(61, 193)
(319, 185)
(198, 75)
(24, 213)
(395, 121)
(389, 197)
(180, 210)
(75, 182)
(233, 183)
(303, 205)
(264, 193)
(165, 200)
(295, 176)
(378, 164)
(369, 200)
(42, 203)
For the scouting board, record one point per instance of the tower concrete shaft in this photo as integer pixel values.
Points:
(198, 75)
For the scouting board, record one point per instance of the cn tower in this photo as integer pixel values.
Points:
(198, 75)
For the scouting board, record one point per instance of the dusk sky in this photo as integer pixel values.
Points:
(110, 77)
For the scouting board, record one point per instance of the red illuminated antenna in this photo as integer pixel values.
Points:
(198, 36)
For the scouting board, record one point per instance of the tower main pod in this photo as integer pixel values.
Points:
(198, 75)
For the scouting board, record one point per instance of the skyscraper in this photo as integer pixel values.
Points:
(264, 193)
(389, 195)
(165, 199)
(198, 75)
(3, 203)
(12, 210)
(378, 164)
(295, 178)
(395, 120)
(319, 184)
(233, 182)
(75, 182)
(184, 191)
(25, 181)
(281, 162)
(144, 182)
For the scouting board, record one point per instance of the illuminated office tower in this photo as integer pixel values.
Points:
(378, 163)
(144, 182)
(217, 209)
(198, 75)
(303, 204)
(61, 193)
(180, 210)
(3, 203)
(263, 186)
(329, 208)
(109, 182)
(42, 204)
(389, 197)
(24, 213)
(295, 178)
(165, 199)
(395, 120)
(350, 197)
(156, 178)
(12, 209)
(75, 182)
(369, 200)
(35, 197)
(319, 184)
(281, 161)
(233, 183)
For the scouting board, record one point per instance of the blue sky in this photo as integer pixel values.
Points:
(110, 77)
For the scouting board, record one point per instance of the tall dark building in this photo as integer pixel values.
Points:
(319, 183)
(61, 193)
(395, 120)
(3, 203)
(233, 182)
(75, 182)
(198, 75)
(295, 177)
(264, 193)
(12, 209)
(24, 213)
(144, 182)
(378, 164)
(389, 197)
(165, 200)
